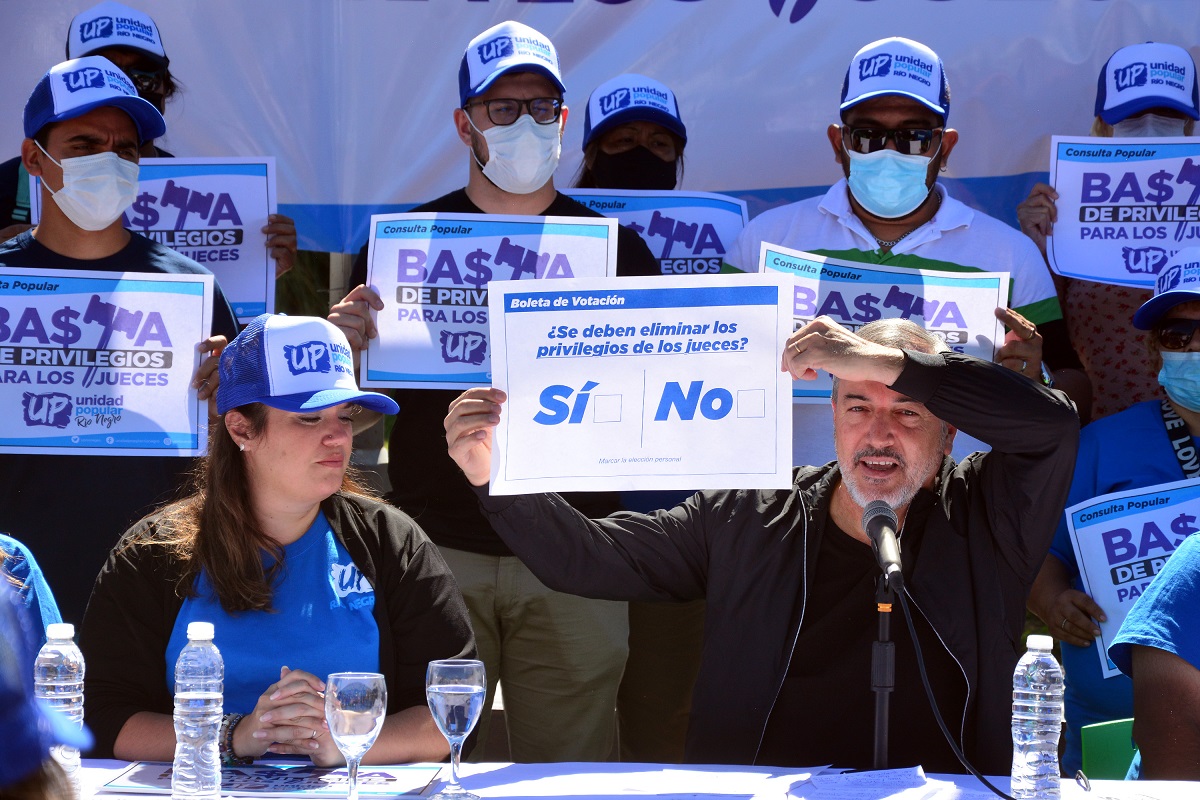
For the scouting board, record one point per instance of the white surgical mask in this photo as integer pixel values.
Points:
(1149, 126)
(521, 156)
(888, 184)
(1180, 376)
(96, 189)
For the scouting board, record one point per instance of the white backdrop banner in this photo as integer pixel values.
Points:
(354, 97)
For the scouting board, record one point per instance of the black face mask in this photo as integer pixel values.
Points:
(633, 169)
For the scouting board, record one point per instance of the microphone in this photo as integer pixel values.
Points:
(880, 523)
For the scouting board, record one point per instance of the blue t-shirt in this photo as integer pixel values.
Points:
(321, 621)
(20, 571)
(1164, 617)
(1129, 450)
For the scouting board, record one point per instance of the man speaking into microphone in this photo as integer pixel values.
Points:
(789, 575)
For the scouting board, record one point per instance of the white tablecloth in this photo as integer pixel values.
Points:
(603, 781)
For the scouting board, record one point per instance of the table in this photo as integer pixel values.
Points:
(605, 781)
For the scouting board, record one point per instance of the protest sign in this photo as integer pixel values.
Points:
(958, 307)
(641, 383)
(211, 210)
(688, 232)
(1125, 206)
(101, 363)
(432, 272)
(1122, 540)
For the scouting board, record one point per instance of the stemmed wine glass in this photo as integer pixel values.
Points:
(355, 705)
(455, 689)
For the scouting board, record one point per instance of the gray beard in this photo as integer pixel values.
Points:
(914, 478)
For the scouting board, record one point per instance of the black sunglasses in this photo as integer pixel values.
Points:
(1176, 334)
(146, 81)
(909, 141)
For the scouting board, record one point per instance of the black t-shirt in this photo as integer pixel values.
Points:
(426, 483)
(825, 713)
(70, 510)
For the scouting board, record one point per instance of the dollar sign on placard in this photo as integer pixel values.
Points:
(144, 214)
(481, 273)
(62, 321)
(1159, 191)
(1183, 525)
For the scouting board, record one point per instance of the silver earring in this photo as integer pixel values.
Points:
(242, 446)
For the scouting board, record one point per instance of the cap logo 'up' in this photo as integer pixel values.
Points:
(1130, 76)
(614, 101)
(307, 357)
(875, 67)
(1169, 278)
(98, 28)
(492, 49)
(86, 78)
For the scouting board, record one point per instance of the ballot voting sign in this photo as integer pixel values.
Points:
(1125, 206)
(640, 383)
(688, 232)
(101, 363)
(1122, 540)
(433, 271)
(211, 210)
(957, 307)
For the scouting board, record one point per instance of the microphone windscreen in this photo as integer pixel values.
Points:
(875, 509)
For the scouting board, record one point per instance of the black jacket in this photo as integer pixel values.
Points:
(751, 553)
(418, 608)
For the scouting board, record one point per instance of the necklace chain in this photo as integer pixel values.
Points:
(893, 242)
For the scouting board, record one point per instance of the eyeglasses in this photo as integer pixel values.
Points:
(1176, 334)
(146, 81)
(910, 141)
(505, 111)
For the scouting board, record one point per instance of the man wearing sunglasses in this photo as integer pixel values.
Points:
(889, 209)
(560, 657)
(130, 39)
(1150, 443)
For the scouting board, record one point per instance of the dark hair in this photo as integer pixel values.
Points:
(214, 528)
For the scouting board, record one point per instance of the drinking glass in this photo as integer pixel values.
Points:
(455, 689)
(355, 705)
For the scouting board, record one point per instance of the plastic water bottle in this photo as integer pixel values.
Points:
(58, 678)
(1037, 720)
(199, 676)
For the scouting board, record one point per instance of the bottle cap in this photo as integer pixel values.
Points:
(60, 630)
(1036, 641)
(203, 631)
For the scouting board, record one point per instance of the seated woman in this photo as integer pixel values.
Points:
(302, 573)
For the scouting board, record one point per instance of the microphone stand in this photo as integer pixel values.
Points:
(883, 669)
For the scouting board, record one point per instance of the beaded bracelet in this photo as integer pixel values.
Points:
(225, 742)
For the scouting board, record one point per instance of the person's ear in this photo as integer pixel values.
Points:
(239, 428)
(835, 141)
(31, 157)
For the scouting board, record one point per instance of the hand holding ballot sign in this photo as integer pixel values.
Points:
(102, 363)
(688, 232)
(958, 307)
(1122, 540)
(631, 384)
(1124, 207)
(432, 272)
(212, 210)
